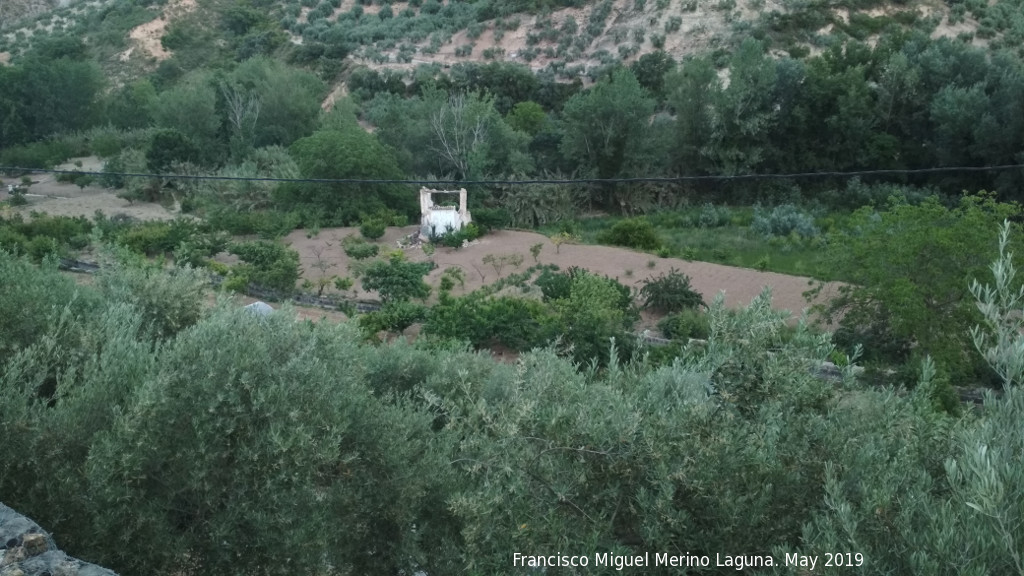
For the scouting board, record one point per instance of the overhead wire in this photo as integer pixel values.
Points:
(524, 182)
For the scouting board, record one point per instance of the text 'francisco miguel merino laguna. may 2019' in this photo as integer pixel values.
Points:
(657, 559)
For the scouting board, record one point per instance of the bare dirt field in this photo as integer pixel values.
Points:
(64, 199)
(322, 255)
(740, 285)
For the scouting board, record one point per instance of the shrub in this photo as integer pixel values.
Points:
(783, 220)
(268, 264)
(535, 251)
(636, 233)
(360, 250)
(488, 219)
(197, 249)
(168, 301)
(310, 434)
(500, 261)
(597, 310)
(562, 238)
(456, 238)
(712, 216)
(373, 228)
(684, 325)
(516, 323)
(396, 280)
(40, 247)
(554, 285)
(155, 238)
(670, 293)
(393, 317)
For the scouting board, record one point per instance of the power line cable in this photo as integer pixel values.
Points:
(654, 179)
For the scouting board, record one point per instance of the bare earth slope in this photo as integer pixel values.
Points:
(740, 285)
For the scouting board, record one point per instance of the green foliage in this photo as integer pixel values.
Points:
(456, 238)
(344, 284)
(373, 228)
(42, 234)
(167, 148)
(712, 216)
(999, 338)
(154, 445)
(499, 261)
(288, 101)
(527, 117)
(396, 280)
(650, 69)
(33, 299)
(555, 285)
(670, 293)
(44, 154)
(191, 108)
(636, 233)
(596, 311)
(340, 154)
(157, 238)
(684, 325)
(268, 264)
(332, 462)
(195, 250)
(535, 251)
(359, 250)
(47, 94)
(393, 317)
(450, 276)
(167, 301)
(784, 220)
(265, 223)
(515, 323)
(604, 128)
(909, 268)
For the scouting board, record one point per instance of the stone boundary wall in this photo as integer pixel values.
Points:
(28, 550)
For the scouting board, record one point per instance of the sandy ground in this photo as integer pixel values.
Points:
(740, 285)
(148, 35)
(340, 90)
(63, 199)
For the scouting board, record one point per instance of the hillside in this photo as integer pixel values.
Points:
(568, 41)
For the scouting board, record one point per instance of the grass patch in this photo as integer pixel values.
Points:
(732, 244)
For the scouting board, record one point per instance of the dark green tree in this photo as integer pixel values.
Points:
(650, 70)
(348, 152)
(168, 147)
(191, 108)
(908, 270)
(604, 127)
(691, 93)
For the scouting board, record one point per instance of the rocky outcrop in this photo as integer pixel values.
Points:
(27, 550)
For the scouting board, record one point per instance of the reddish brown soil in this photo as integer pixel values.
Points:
(739, 285)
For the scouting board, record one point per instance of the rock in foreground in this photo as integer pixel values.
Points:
(27, 550)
